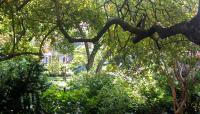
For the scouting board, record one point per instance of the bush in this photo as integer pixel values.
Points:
(21, 81)
(105, 94)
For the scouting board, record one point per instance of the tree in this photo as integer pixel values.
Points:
(125, 22)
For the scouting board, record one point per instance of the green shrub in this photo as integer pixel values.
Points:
(90, 94)
(20, 78)
(105, 94)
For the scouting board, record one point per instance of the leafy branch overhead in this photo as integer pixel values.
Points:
(24, 20)
(190, 29)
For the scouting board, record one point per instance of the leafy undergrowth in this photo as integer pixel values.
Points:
(105, 94)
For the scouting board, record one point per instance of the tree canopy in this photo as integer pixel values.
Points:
(132, 38)
(25, 20)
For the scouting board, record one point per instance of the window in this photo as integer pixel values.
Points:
(47, 59)
(64, 59)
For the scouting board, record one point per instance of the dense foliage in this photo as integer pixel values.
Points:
(146, 50)
(106, 94)
(21, 83)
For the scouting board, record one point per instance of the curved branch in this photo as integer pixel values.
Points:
(126, 26)
(45, 37)
(191, 29)
(163, 32)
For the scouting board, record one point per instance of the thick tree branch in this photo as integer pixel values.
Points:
(86, 43)
(126, 26)
(102, 61)
(92, 56)
(4, 57)
(163, 32)
(191, 29)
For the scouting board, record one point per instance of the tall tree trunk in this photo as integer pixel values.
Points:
(100, 64)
